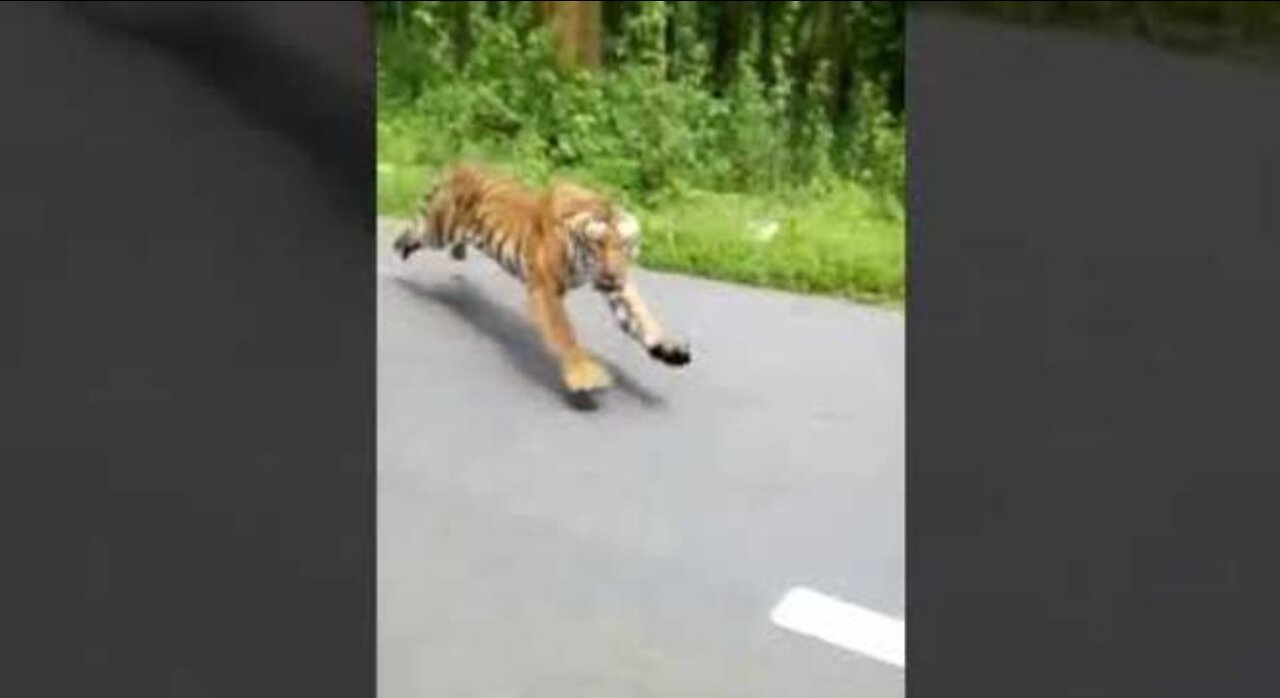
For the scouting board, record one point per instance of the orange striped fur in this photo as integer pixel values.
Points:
(554, 241)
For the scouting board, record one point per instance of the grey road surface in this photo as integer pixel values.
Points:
(526, 548)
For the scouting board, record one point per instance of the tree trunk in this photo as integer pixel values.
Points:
(813, 47)
(765, 64)
(729, 40)
(840, 54)
(461, 12)
(576, 27)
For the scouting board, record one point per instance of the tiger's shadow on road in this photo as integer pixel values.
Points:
(517, 338)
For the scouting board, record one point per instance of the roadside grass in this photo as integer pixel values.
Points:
(838, 243)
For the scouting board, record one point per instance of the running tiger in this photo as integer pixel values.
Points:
(552, 241)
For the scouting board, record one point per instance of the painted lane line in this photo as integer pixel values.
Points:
(842, 624)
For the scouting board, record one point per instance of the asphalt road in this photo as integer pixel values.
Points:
(530, 549)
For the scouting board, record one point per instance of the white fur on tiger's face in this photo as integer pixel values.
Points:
(602, 249)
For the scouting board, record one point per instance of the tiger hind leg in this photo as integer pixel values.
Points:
(419, 235)
(406, 243)
(580, 373)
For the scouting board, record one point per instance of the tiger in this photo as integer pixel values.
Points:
(553, 241)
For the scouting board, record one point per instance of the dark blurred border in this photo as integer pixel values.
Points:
(291, 70)
(187, 373)
(1094, 229)
(1248, 31)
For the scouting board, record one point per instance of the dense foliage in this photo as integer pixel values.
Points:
(481, 76)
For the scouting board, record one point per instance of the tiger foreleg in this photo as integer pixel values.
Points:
(638, 321)
(578, 370)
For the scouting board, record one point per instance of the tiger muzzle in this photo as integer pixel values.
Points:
(608, 284)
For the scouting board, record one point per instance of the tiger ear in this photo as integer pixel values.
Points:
(586, 222)
(577, 219)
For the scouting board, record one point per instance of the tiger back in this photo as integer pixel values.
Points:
(471, 207)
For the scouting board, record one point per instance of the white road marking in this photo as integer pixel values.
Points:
(842, 624)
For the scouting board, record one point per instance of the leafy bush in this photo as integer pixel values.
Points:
(643, 126)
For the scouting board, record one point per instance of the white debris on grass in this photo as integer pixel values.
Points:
(764, 230)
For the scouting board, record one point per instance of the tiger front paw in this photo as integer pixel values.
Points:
(584, 375)
(671, 352)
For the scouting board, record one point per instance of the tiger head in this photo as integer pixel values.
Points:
(611, 238)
